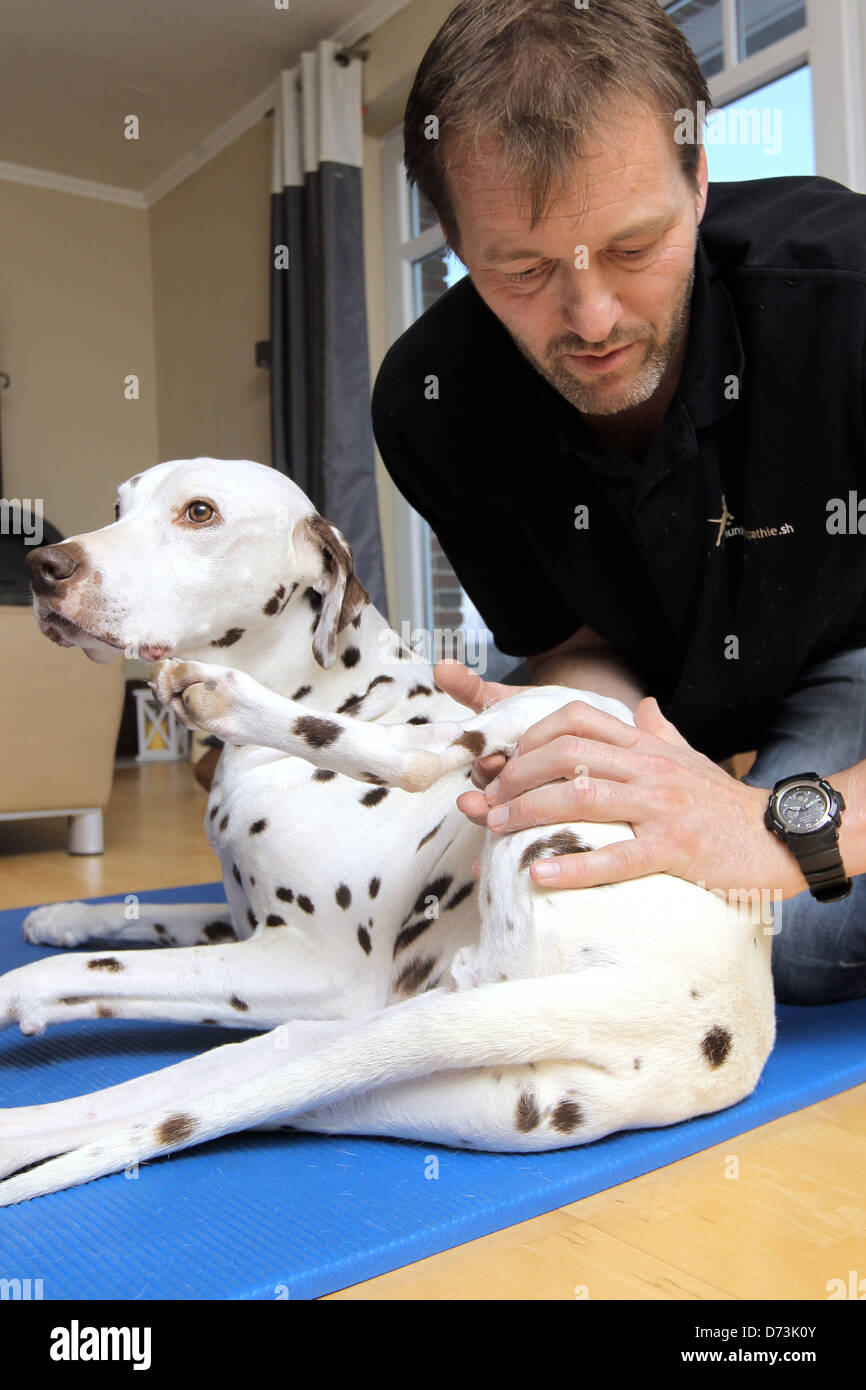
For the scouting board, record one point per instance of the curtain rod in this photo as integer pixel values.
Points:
(343, 56)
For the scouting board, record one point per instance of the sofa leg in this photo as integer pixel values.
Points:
(85, 833)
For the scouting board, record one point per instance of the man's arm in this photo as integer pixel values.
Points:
(586, 661)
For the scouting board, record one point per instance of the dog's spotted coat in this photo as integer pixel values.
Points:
(395, 994)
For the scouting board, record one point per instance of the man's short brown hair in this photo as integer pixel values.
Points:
(536, 77)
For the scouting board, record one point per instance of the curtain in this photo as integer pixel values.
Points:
(321, 429)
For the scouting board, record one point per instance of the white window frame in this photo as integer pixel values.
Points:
(833, 43)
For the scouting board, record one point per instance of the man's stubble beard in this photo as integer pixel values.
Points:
(591, 399)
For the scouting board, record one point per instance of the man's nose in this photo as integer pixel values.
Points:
(589, 308)
(50, 567)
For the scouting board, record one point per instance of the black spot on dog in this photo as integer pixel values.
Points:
(224, 822)
(460, 895)
(28, 1167)
(716, 1045)
(105, 963)
(257, 827)
(305, 904)
(213, 811)
(436, 888)
(409, 934)
(567, 1116)
(104, 1011)
(273, 604)
(209, 1020)
(252, 880)
(351, 704)
(374, 886)
(356, 622)
(239, 1004)
(252, 919)
(159, 928)
(273, 919)
(562, 842)
(527, 1116)
(237, 875)
(317, 733)
(418, 690)
(364, 938)
(174, 1130)
(429, 835)
(351, 656)
(301, 691)
(314, 599)
(220, 931)
(413, 975)
(374, 778)
(323, 774)
(343, 896)
(229, 638)
(419, 719)
(373, 798)
(75, 999)
(285, 895)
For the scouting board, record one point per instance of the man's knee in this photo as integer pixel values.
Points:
(819, 951)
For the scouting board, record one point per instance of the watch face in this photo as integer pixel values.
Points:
(803, 808)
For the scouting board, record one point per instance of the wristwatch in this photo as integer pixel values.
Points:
(805, 812)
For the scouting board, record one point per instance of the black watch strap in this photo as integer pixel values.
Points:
(821, 863)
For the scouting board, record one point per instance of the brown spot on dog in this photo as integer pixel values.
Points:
(472, 740)
(104, 1011)
(257, 827)
(305, 904)
(374, 886)
(237, 875)
(213, 811)
(364, 938)
(224, 822)
(418, 690)
(567, 1116)
(343, 896)
(461, 894)
(527, 1116)
(239, 1004)
(229, 638)
(285, 895)
(350, 657)
(105, 963)
(209, 1020)
(561, 842)
(314, 598)
(636, 1064)
(175, 1130)
(436, 888)
(75, 999)
(159, 928)
(317, 733)
(409, 934)
(716, 1045)
(220, 931)
(373, 798)
(356, 621)
(413, 975)
(694, 993)
(374, 778)
(273, 919)
(252, 919)
(323, 774)
(419, 719)
(301, 691)
(273, 604)
(429, 835)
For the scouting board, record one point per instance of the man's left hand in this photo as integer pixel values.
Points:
(690, 817)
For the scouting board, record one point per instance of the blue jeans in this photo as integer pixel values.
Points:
(819, 950)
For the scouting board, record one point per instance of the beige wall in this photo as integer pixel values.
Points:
(209, 239)
(76, 316)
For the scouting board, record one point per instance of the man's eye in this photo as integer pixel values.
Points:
(529, 274)
(200, 511)
(633, 255)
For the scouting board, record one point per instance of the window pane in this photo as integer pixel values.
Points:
(765, 135)
(701, 22)
(422, 213)
(762, 22)
(432, 275)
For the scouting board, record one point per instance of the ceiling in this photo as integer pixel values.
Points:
(71, 73)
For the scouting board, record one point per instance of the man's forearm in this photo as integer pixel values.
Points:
(599, 669)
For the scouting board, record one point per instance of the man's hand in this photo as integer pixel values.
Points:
(689, 816)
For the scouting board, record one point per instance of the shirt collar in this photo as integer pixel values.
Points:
(714, 355)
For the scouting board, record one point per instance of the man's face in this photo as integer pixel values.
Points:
(611, 265)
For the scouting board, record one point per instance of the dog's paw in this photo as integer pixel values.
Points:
(463, 969)
(59, 924)
(201, 695)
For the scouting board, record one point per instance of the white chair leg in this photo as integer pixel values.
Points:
(85, 833)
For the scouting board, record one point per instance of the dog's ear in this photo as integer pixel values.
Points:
(343, 595)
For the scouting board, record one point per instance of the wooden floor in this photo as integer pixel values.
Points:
(792, 1218)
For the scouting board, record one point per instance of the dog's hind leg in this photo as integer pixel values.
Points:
(163, 924)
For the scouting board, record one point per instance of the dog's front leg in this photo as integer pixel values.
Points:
(251, 984)
(163, 924)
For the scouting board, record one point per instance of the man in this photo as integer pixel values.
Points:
(641, 453)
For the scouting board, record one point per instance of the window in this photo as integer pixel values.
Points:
(422, 269)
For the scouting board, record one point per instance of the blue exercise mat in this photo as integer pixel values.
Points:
(267, 1216)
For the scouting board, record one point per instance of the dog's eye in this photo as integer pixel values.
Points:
(117, 511)
(200, 511)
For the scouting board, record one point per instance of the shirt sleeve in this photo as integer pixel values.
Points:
(487, 549)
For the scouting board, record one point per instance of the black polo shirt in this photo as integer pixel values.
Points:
(717, 616)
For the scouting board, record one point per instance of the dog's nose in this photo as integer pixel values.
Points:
(49, 567)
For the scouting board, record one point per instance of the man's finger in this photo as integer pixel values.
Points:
(485, 769)
(460, 683)
(611, 864)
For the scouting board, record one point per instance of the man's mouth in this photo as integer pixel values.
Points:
(600, 362)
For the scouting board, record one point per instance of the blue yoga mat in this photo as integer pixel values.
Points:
(269, 1216)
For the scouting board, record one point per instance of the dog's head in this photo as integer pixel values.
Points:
(203, 553)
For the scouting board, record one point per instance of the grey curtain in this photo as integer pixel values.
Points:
(321, 431)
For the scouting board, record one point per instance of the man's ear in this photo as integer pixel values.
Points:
(343, 595)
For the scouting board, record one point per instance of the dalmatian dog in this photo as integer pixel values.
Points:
(392, 993)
